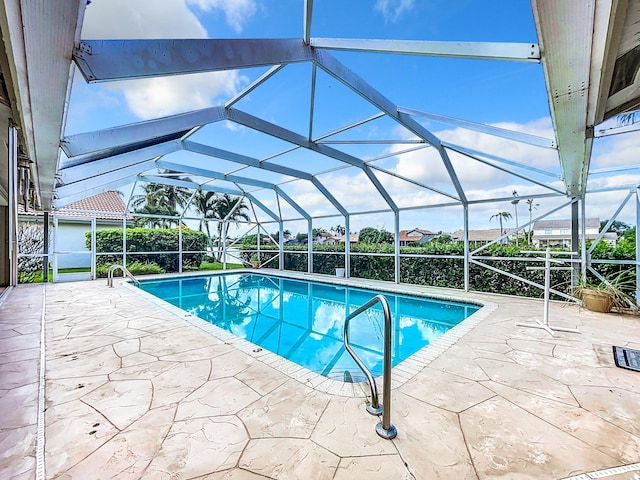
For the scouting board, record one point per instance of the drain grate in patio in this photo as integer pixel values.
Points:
(627, 358)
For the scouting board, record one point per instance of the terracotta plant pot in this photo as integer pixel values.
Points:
(596, 301)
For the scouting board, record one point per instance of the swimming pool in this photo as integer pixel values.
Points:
(303, 320)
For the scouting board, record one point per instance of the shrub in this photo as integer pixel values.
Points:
(441, 264)
(136, 268)
(151, 240)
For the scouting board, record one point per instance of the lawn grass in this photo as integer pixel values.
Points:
(218, 266)
(204, 266)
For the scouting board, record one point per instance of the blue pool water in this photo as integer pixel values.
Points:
(303, 321)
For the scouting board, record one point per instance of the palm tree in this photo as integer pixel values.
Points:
(515, 202)
(501, 216)
(338, 230)
(157, 194)
(156, 222)
(531, 208)
(204, 203)
(223, 206)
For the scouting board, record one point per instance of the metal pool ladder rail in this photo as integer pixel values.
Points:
(126, 273)
(385, 429)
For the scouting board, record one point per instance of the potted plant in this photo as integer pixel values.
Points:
(605, 296)
(255, 262)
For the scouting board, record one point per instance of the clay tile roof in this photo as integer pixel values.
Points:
(108, 201)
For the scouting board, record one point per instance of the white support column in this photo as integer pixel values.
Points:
(180, 245)
(93, 248)
(55, 247)
(13, 206)
(309, 246)
(466, 247)
(347, 247)
(575, 239)
(124, 240)
(224, 244)
(281, 246)
(396, 246)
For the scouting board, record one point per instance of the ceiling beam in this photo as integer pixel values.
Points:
(203, 172)
(178, 182)
(140, 134)
(108, 60)
(243, 159)
(344, 75)
(107, 178)
(517, 52)
(482, 128)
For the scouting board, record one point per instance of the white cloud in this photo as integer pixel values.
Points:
(426, 166)
(160, 96)
(142, 19)
(237, 12)
(480, 182)
(392, 10)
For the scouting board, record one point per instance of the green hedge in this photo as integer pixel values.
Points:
(439, 271)
(150, 240)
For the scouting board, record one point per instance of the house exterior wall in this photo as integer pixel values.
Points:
(561, 237)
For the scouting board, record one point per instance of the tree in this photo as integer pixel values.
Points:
(501, 216)
(286, 234)
(156, 194)
(317, 232)
(156, 222)
(372, 235)
(515, 202)
(231, 209)
(338, 230)
(531, 208)
(616, 226)
(204, 203)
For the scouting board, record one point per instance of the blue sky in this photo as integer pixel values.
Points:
(506, 94)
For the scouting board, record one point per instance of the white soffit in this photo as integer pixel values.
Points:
(565, 34)
(39, 36)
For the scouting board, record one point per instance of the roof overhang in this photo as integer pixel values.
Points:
(590, 56)
(38, 38)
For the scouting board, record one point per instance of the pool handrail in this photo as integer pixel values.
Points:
(125, 273)
(384, 429)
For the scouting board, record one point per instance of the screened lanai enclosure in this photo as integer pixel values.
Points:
(327, 122)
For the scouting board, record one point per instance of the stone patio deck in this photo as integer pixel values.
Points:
(135, 391)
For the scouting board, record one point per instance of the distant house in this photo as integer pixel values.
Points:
(415, 237)
(478, 238)
(322, 238)
(335, 240)
(557, 233)
(74, 221)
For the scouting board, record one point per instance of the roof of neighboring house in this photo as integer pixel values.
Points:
(564, 223)
(405, 235)
(487, 235)
(353, 238)
(108, 201)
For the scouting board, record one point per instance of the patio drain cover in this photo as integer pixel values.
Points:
(627, 358)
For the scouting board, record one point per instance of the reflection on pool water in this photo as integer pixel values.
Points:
(303, 321)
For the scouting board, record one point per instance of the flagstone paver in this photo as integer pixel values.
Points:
(135, 390)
